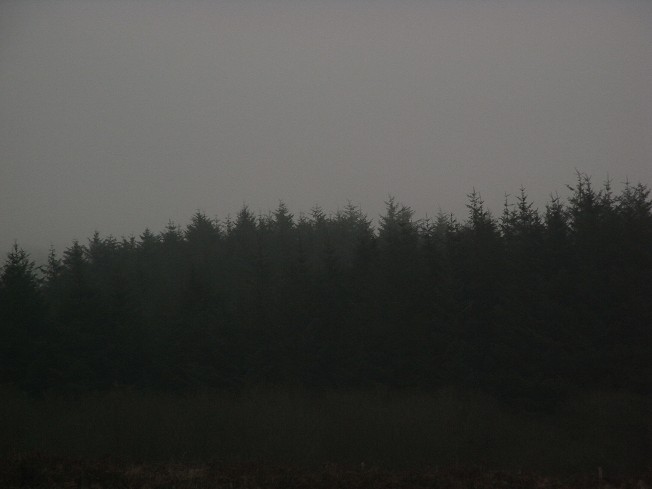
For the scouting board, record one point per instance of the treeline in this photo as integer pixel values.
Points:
(529, 306)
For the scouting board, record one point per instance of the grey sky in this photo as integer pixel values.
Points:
(119, 115)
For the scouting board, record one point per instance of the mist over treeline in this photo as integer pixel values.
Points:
(528, 306)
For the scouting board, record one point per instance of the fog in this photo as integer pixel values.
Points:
(120, 115)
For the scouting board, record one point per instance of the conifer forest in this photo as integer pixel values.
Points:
(525, 307)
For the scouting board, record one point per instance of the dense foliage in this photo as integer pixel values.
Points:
(528, 306)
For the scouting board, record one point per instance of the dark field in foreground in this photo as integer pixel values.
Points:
(39, 472)
(302, 429)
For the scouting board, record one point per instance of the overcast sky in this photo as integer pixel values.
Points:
(119, 115)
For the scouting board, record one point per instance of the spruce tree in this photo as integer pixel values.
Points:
(22, 321)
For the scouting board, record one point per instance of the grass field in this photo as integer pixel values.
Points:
(39, 472)
(394, 431)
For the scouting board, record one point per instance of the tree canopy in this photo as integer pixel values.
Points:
(527, 306)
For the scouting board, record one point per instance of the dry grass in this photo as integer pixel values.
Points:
(39, 472)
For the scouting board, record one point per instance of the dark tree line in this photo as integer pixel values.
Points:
(528, 306)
